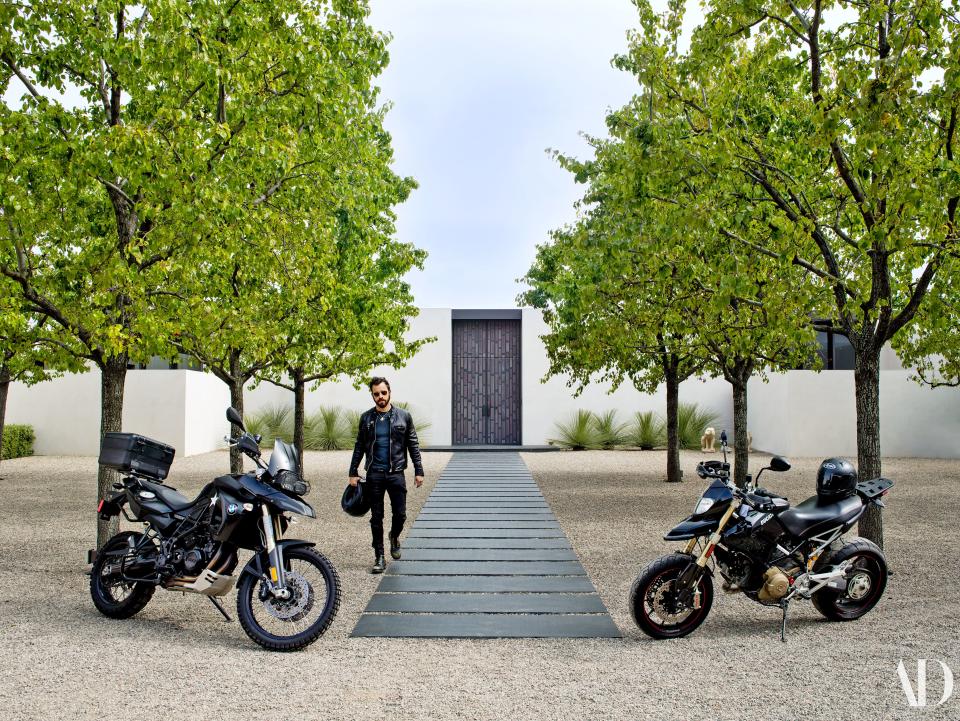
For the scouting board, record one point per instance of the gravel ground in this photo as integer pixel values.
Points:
(177, 659)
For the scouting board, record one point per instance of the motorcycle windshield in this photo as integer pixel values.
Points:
(283, 458)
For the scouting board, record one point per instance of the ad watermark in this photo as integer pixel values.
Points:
(916, 692)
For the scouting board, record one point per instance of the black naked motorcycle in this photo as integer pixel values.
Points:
(766, 549)
(288, 593)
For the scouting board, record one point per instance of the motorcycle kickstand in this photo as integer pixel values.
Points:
(783, 621)
(219, 607)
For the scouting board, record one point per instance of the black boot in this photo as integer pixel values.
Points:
(380, 565)
(395, 547)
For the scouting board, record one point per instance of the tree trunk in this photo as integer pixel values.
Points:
(867, 386)
(299, 387)
(4, 387)
(113, 376)
(674, 473)
(236, 400)
(741, 459)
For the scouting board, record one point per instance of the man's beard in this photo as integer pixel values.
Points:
(381, 402)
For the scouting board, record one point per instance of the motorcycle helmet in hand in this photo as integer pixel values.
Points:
(354, 500)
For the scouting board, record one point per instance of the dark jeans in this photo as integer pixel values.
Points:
(394, 484)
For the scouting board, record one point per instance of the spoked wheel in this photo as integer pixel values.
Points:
(866, 579)
(112, 595)
(291, 623)
(656, 604)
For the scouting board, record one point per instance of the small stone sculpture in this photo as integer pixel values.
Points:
(707, 439)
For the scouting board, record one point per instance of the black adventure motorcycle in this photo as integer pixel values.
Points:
(288, 593)
(767, 550)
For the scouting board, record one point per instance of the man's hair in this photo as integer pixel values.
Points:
(377, 380)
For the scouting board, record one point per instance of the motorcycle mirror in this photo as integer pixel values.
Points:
(723, 437)
(779, 464)
(234, 417)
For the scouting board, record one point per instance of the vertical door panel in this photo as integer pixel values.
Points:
(486, 378)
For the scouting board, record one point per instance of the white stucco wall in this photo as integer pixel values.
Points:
(805, 413)
(205, 401)
(65, 412)
(425, 383)
(544, 404)
(801, 413)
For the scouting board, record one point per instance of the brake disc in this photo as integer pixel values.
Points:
(666, 604)
(299, 603)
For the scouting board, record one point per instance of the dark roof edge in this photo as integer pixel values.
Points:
(486, 314)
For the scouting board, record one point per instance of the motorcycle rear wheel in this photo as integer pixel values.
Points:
(292, 624)
(654, 605)
(866, 581)
(114, 597)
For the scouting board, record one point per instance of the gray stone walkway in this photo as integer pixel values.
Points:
(486, 558)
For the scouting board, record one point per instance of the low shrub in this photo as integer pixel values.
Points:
(327, 429)
(271, 422)
(610, 432)
(579, 433)
(692, 422)
(647, 430)
(17, 441)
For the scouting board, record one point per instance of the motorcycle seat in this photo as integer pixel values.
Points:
(176, 501)
(815, 515)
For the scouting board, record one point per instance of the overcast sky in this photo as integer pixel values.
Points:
(480, 88)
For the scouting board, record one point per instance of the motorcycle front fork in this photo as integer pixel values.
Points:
(272, 534)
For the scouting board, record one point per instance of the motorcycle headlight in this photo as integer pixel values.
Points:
(703, 506)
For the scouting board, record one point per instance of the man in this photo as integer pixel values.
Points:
(386, 434)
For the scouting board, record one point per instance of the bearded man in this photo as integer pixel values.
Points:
(386, 435)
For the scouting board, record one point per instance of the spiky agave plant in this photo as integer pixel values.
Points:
(692, 422)
(647, 430)
(326, 430)
(579, 433)
(610, 431)
(271, 422)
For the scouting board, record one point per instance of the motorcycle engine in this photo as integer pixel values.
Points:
(194, 556)
(776, 583)
(737, 569)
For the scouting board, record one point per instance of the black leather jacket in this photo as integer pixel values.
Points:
(403, 438)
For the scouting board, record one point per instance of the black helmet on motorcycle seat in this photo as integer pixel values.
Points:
(354, 501)
(836, 479)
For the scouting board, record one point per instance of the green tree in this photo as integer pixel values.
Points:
(842, 116)
(608, 290)
(188, 129)
(358, 305)
(32, 349)
(933, 345)
(645, 285)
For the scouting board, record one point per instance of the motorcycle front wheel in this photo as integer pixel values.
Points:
(655, 603)
(295, 622)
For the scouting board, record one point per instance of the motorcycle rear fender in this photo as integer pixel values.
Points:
(688, 528)
(112, 506)
(258, 564)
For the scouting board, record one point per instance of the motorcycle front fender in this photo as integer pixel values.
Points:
(689, 528)
(288, 503)
(260, 562)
